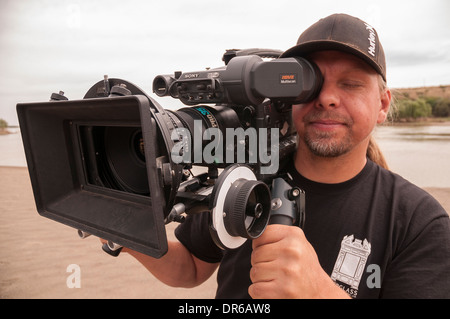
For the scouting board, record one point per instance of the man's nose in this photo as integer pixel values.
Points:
(328, 96)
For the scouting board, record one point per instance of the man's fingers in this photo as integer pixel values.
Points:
(262, 290)
(272, 234)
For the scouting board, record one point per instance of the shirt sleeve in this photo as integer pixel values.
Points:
(195, 235)
(420, 266)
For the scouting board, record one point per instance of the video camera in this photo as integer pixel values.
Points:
(117, 165)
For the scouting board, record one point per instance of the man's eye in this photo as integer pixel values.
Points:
(352, 85)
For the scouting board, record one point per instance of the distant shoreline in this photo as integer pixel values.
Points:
(442, 121)
(421, 121)
(5, 132)
(9, 130)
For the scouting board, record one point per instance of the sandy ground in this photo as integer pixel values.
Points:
(35, 254)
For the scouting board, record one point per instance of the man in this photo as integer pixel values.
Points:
(368, 232)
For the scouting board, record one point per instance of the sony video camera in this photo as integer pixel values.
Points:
(117, 165)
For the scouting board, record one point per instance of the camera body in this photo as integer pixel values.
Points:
(119, 166)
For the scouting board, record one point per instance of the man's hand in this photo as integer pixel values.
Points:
(285, 265)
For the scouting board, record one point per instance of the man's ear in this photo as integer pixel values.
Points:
(385, 103)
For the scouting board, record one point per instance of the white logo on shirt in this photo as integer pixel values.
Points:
(350, 264)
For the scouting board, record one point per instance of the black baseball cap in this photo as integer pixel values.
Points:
(342, 32)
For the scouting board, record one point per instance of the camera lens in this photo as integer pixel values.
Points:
(114, 158)
(125, 161)
(137, 142)
(199, 119)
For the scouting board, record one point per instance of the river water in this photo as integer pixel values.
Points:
(420, 154)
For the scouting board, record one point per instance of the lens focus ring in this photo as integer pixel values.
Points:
(247, 207)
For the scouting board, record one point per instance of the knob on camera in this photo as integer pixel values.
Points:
(247, 208)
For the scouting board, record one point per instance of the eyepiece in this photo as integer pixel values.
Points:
(161, 84)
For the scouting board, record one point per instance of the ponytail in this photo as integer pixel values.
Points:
(375, 155)
(373, 150)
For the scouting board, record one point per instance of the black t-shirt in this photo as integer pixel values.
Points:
(376, 236)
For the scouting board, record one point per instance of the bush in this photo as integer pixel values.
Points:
(3, 124)
(413, 109)
(441, 108)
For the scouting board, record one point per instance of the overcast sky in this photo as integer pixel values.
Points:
(52, 45)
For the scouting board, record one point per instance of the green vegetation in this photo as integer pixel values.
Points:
(413, 109)
(3, 127)
(3, 124)
(407, 108)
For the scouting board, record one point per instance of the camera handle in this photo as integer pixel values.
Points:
(109, 247)
(287, 205)
(287, 208)
(112, 248)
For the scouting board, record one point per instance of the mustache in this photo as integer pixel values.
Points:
(316, 116)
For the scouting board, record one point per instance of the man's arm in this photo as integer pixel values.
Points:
(177, 268)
